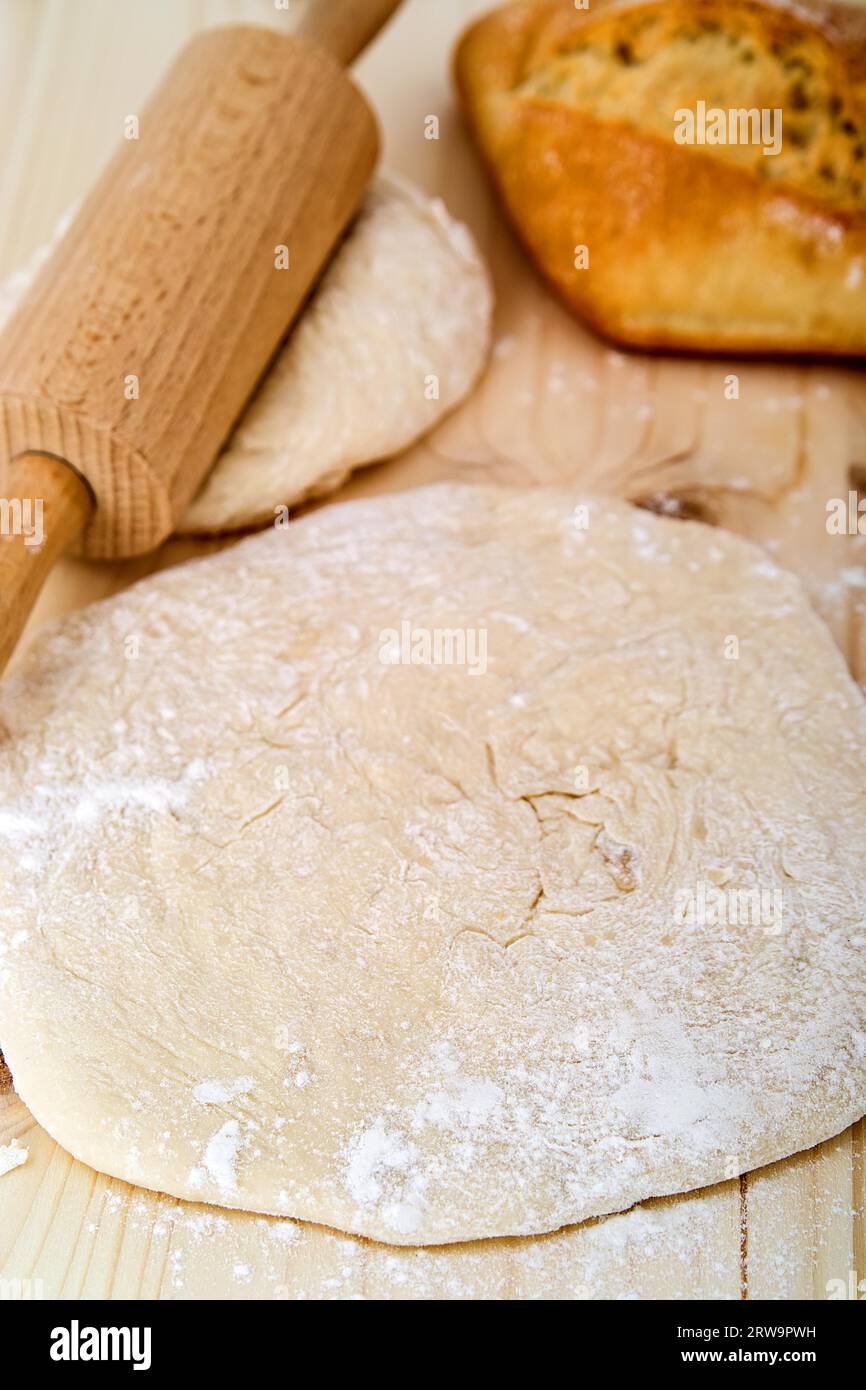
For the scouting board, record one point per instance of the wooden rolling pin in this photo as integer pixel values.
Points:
(136, 350)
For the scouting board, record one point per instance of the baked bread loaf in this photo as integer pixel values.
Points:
(603, 130)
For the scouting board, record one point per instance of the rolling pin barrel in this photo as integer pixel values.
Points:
(150, 326)
(140, 343)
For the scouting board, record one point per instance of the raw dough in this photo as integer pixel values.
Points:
(395, 336)
(399, 948)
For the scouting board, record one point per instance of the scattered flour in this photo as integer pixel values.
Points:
(218, 1092)
(375, 1149)
(12, 1156)
(220, 1158)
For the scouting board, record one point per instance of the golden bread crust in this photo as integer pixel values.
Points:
(695, 247)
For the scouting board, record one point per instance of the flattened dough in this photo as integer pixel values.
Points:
(394, 337)
(398, 948)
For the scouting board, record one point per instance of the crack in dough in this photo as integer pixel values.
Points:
(287, 928)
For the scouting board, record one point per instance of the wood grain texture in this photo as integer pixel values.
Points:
(344, 27)
(556, 404)
(68, 1232)
(148, 329)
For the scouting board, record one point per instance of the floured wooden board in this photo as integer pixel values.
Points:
(789, 1231)
(556, 405)
(73, 1233)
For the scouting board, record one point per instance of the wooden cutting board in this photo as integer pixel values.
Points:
(556, 405)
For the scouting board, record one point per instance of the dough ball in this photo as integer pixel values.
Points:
(394, 337)
(461, 863)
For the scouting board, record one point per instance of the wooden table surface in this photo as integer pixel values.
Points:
(556, 404)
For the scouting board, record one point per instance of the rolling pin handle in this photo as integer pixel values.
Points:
(344, 27)
(253, 141)
(48, 505)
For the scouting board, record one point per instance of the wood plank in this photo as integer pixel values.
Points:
(69, 1232)
(556, 405)
(800, 1218)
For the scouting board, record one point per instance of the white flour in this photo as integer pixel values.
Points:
(12, 1156)
(449, 964)
(220, 1157)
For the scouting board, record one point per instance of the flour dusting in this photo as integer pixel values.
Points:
(218, 1092)
(220, 1158)
(434, 920)
(12, 1156)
